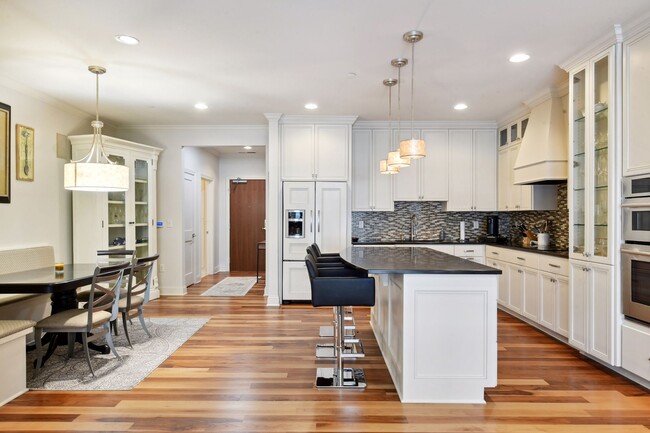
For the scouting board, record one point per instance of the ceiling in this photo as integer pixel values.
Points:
(248, 57)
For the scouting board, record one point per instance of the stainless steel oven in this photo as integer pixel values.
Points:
(635, 272)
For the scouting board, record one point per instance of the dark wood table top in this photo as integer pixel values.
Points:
(46, 280)
(410, 260)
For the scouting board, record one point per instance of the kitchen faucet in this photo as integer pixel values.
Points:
(414, 224)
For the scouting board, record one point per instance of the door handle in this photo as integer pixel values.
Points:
(311, 221)
(193, 235)
(318, 221)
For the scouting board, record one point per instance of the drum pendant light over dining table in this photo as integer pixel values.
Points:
(412, 148)
(96, 171)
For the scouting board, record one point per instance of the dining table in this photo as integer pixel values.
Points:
(62, 287)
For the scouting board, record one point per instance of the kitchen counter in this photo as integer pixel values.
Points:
(551, 252)
(435, 320)
(410, 260)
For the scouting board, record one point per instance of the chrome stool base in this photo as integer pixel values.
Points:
(353, 379)
(350, 351)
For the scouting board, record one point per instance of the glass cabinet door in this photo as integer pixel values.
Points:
(117, 214)
(141, 197)
(600, 162)
(578, 149)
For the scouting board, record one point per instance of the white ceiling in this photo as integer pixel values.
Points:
(249, 57)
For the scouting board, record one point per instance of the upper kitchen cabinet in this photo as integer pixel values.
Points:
(472, 170)
(636, 107)
(315, 152)
(592, 176)
(513, 132)
(427, 178)
(371, 190)
(116, 220)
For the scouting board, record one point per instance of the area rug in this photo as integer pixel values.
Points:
(231, 286)
(111, 373)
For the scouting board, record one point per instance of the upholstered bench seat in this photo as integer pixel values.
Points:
(13, 365)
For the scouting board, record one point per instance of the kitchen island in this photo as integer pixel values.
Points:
(435, 320)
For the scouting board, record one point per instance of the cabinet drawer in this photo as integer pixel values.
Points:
(469, 250)
(497, 253)
(448, 249)
(636, 349)
(554, 265)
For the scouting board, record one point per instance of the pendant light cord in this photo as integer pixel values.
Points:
(399, 105)
(412, 83)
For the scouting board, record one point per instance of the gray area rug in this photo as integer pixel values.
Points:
(231, 286)
(111, 373)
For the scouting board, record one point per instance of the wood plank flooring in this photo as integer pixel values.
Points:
(251, 369)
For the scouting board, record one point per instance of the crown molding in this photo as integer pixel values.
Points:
(427, 124)
(514, 116)
(612, 37)
(316, 119)
(194, 127)
(636, 27)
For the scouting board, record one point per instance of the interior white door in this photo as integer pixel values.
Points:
(331, 216)
(189, 234)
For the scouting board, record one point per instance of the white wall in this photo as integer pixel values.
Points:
(204, 165)
(231, 167)
(170, 183)
(40, 212)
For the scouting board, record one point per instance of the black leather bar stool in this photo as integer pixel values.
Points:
(354, 348)
(337, 292)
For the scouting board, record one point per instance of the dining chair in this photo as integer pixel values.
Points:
(137, 293)
(92, 322)
(107, 257)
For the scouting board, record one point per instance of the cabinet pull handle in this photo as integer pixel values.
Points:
(520, 271)
(318, 221)
(494, 264)
(554, 266)
(102, 223)
(469, 251)
(521, 258)
(131, 222)
(639, 253)
(495, 253)
(311, 221)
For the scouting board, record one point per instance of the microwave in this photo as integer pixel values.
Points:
(636, 220)
(636, 186)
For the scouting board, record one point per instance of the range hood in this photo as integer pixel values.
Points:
(542, 158)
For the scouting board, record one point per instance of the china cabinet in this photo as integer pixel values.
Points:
(592, 177)
(116, 220)
(371, 190)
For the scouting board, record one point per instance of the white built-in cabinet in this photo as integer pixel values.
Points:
(636, 106)
(636, 348)
(116, 220)
(521, 197)
(593, 311)
(536, 286)
(427, 178)
(472, 170)
(315, 152)
(371, 190)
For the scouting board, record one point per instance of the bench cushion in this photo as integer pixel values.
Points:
(8, 327)
(25, 259)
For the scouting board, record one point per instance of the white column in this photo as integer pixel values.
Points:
(273, 212)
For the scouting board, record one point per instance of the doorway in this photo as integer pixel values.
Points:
(189, 234)
(247, 214)
(207, 226)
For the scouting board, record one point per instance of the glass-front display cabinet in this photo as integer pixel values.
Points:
(590, 181)
(116, 220)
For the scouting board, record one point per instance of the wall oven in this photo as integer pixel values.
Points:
(635, 266)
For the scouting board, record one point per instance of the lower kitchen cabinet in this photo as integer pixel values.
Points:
(531, 301)
(554, 302)
(593, 320)
(636, 348)
(502, 294)
(295, 282)
(515, 288)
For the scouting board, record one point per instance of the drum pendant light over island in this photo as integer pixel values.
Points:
(412, 148)
(385, 166)
(96, 171)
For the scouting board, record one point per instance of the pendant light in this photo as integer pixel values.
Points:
(384, 165)
(412, 148)
(394, 158)
(96, 171)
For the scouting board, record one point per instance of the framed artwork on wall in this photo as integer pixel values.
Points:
(5, 139)
(24, 153)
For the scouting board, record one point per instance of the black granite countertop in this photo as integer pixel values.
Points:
(551, 252)
(410, 260)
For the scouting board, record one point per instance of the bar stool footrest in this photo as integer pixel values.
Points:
(351, 351)
(328, 331)
(353, 379)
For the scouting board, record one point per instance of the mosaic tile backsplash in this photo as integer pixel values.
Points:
(432, 222)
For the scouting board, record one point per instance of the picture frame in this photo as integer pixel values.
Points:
(24, 153)
(5, 153)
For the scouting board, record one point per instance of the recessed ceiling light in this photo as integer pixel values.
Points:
(460, 106)
(311, 106)
(201, 106)
(248, 147)
(519, 57)
(352, 75)
(127, 40)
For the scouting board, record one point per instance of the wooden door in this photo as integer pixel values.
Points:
(247, 213)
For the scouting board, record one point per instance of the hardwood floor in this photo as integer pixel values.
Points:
(251, 369)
